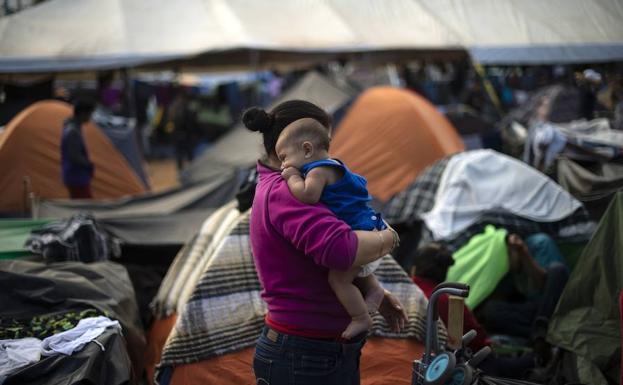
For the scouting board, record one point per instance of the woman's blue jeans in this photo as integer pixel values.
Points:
(282, 359)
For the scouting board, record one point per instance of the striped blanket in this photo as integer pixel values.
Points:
(191, 261)
(213, 286)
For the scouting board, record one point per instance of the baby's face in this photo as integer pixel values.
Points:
(290, 154)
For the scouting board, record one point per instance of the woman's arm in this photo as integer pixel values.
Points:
(372, 245)
(312, 229)
(532, 268)
(319, 234)
(518, 250)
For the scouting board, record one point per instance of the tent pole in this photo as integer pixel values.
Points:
(254, 58)
(493, 96)
(128, 94)
(34, 206)
(130, 109)
(26, 183)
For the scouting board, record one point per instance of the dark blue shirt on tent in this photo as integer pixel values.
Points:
(348, 198)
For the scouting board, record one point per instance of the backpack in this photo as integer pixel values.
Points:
(79, 238)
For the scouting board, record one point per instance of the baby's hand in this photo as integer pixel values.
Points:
(289, 172)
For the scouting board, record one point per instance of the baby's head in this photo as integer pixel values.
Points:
(302, 141)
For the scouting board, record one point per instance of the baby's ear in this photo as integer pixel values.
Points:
(308, 148)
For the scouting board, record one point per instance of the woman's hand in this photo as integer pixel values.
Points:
(391, 309)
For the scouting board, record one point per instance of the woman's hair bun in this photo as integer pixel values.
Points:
(256, 119)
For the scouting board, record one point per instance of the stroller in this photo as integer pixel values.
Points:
(459, 367)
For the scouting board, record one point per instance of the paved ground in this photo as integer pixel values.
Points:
(162, 174)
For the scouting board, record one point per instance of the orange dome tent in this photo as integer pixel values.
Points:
(30, 148)
(390, 135)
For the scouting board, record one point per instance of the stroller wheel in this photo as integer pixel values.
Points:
(440, 369)
(462, 375)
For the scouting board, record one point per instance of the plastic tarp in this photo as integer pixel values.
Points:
(586, 321)
(481, 264)
(478, 181)
(13, 233)
(194, 196)
(240, 148)
(565, 105)
(30, 148)
(534, 31)
(389, 136)
(68, 35)
(91, 365)
(122, 132)
(169, 217)
(589, 182)
(29, 289)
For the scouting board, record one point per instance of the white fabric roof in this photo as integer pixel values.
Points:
(62, 35)
(535, 31)
(85, 34)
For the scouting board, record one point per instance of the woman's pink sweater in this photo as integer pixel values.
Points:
(294, 246)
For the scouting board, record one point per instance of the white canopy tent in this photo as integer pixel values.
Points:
(70, 35)
(63, 35)
(535, 31)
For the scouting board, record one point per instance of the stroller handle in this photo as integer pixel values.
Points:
(479, 356)
(432, 343)
(454, 285)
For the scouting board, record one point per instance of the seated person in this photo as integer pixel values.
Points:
(430, 268)
(525, 299)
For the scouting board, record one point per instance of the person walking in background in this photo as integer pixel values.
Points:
(77, 169)
(185, 128)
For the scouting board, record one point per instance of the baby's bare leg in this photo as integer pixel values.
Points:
(350, 297)
(372, 290)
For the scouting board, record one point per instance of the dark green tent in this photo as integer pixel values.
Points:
(587, 319)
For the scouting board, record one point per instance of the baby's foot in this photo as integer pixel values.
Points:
(358, 325)
(374, 297)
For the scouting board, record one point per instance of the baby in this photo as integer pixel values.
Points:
(303, 150)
